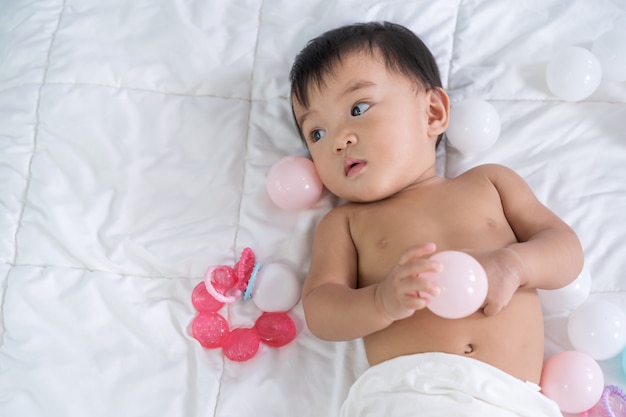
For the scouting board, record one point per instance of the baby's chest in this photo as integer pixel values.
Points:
(396, 227)
(383, 237)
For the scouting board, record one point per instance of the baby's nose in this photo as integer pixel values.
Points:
(345, 140)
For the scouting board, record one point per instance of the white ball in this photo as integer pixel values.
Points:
(277, 288)
(610, 49)
(568, 297)
(474, 126)
(598, 328)
(573, 73)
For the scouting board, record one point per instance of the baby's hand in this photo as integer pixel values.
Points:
(404, 291)
(502, 269)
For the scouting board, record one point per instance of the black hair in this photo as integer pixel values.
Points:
(401, 49)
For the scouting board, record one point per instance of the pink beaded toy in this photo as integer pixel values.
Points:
(223, 285)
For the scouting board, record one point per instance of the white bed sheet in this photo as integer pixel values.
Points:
(134, 142)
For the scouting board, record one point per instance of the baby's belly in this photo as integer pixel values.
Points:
(512, 340)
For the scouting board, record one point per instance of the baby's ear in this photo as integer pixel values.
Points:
(438, 111)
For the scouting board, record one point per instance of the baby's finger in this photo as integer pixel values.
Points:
(491, 309)
(422, 288)
(416, 267)
(417, 251)
(416, 303)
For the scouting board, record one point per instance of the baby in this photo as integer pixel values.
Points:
(368, 102)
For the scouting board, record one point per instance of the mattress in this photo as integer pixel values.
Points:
(135, 140)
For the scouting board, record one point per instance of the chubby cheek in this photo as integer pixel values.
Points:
(330, 177)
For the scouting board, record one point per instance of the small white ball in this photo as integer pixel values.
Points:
(474, 126)
(573, 73)
(598, 328)
(569, 297)
(277, 288)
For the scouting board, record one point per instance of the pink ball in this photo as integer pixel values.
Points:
(463, 284)
(210, 329)
(293, 183)
(241, 344)
(573, 380)
(275, 329)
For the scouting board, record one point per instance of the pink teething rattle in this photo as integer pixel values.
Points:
(225, 285)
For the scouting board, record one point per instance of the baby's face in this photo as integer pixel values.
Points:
(368, 130)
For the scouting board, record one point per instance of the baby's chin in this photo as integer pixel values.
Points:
(361, 197)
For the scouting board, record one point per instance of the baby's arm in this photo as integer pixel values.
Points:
(335, 309)
(548, 254)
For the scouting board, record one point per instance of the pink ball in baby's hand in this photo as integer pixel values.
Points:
(293, 183)
(463, 284)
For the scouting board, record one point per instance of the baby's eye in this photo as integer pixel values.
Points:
(359, 109)
(317, 135)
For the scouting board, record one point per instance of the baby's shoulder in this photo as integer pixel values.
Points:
(344, 216)
(488, 170)
(503, 179)
(338, 214)
(491, 173)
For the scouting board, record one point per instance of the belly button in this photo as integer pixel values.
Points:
(469, 348)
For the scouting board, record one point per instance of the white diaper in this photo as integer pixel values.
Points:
(443, 385)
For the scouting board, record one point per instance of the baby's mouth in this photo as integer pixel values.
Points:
(353, 166)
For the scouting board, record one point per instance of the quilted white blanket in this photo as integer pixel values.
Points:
(135, 137)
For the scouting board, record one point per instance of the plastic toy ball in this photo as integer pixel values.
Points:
(610, 51)
(598, 328)
(474, 126)
(210, 329)
(463, 285)
(241, 344)
(573, 380)
(568, 297)
(203, 301)
(277, 288)
(293, 183)
(573, 73)
(275, 329)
